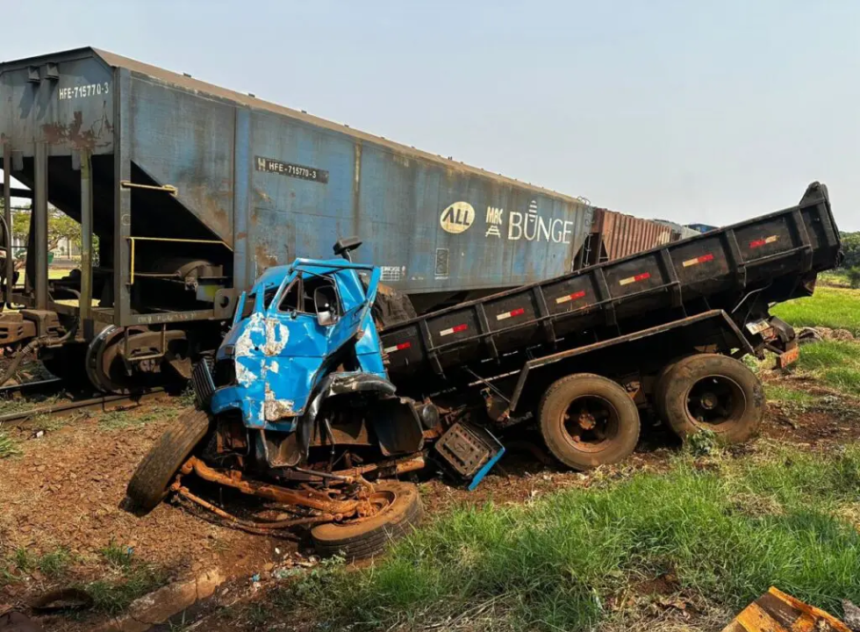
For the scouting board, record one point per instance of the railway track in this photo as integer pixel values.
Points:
(102, 403)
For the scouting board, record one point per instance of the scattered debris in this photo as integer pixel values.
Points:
(776, 611)
(817, 334)
(159, 606)
(63, 599)
(852, 615)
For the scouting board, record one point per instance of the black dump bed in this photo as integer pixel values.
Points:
(773, 257)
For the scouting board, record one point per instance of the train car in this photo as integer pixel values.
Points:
(678, 231)
(615, 235)
(193, 190)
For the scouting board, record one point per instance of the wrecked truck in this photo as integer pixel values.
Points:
(315, 406)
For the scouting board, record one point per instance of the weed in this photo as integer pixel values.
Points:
(117, 556)
(53, 565)
(728, 534)
(56, 563)
(8, 576)
(112, 596)
(703, 443)
(8, 446)
(188, 398)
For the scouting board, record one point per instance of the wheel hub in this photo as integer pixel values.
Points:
(586, 421)
(709, 401)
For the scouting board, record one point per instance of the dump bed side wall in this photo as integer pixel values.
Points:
(718, 265)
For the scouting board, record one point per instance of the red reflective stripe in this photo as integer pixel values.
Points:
(459, 328)
(517, 312)
(400, 347)
(642, 277)
(698, 260)
(757, 243)
(570, 297)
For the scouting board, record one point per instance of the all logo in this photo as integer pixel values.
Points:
(528, 225)
(457, 217)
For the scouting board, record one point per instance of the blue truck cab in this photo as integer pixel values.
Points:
(289, 330)
(302, 367)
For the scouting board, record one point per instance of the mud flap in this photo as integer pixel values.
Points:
(471, 451)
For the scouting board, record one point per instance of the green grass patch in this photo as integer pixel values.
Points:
(129, 579)
(53, 565)
(787, 396)
(834, 278)
(835, 363)
(8, 446)
(124, 419)
(835, 308)
(727, 535)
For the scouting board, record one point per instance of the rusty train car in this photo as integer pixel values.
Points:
(615, 235)
(191, 191)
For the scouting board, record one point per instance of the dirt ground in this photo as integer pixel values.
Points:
(65, 490)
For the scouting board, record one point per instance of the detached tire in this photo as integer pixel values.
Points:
(371, 536)
(712, 392)
(149, 483)
(588, 420)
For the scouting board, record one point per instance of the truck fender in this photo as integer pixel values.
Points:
(339, 384)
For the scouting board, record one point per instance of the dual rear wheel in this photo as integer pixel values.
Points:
(588, 420)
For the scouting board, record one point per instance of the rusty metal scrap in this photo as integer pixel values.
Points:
(254, 526)
(390, 467)
(309, 498)
(776, 611)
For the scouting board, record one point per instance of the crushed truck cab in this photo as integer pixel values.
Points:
(302, 364)
(297, 323)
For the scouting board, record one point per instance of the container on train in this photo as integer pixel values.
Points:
(678, 231)
(615, 235)
(194, 190)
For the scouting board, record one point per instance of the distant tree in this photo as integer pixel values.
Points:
(851, 247)
(60, 226)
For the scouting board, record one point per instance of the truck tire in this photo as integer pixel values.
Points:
(587, 420)
(714, 392)
(149, 483)
(371, 536)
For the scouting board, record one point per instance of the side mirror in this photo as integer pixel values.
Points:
(325, 318)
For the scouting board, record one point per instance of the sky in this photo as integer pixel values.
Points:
(708, 111)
